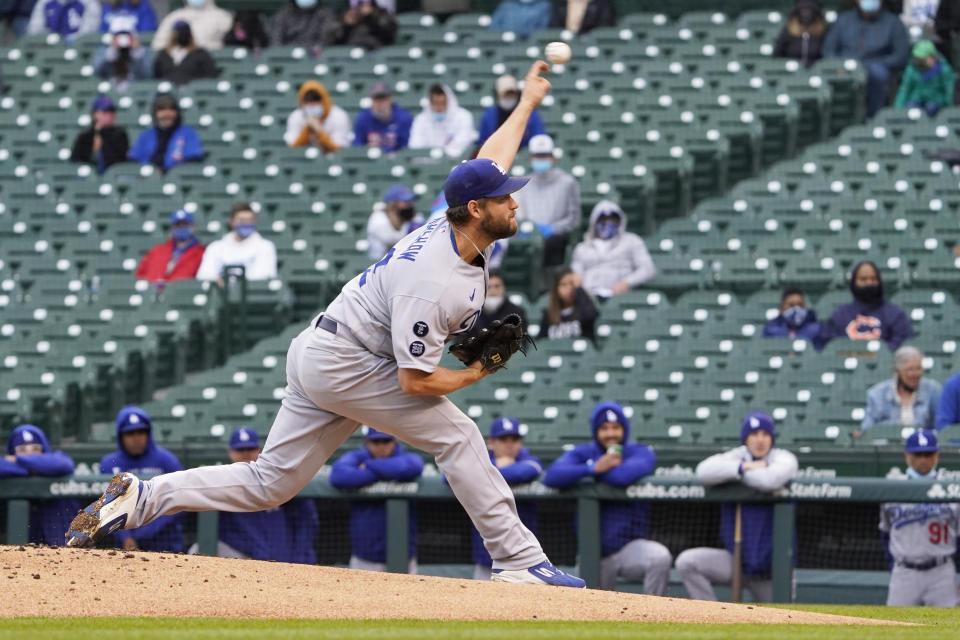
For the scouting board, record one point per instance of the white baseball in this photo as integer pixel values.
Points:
(557, 52)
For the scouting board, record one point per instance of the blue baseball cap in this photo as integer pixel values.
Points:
(103, 103)
(244, 438)
(181, 215)
(479, 178)
(399, 193)
(373, 434)
(757, 421)
(922, 441)
(505, 426)
(132, 419)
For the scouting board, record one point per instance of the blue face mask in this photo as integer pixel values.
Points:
(607, 229)
(439, 116)
(182, 234)
(541, 166)
(196, 4)
(245, 230)
(795, 315)
(306, 4)
(911, 473)
(870, 6)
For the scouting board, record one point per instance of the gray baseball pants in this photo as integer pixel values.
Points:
(935, 587)
(703, 567)
(638, 558)
(333, 386)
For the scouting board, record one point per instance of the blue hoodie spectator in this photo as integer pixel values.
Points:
(523, 17)
(135, 16)
(168, 142)
(869, 316)
(795, 320)
(67, 18)
(948, 411)
(507, 96)
(29, 454)
(166, 532)
(385, 124)
(380, 458)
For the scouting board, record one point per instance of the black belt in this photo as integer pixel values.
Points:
(933, 563)
(327, 324)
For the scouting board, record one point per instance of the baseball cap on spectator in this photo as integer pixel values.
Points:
(922, 441)
(757, 421)
(479, 178)
(505, 427)
(380, 89)
(181, 215)
(103, 103)
(244, 438)
(399, 193)
(373, 434)
(924, 49)
(181, 24)
(506, 84)
(540, 145)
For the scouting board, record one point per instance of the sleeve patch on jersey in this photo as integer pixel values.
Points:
(420, 328)
(417, 348)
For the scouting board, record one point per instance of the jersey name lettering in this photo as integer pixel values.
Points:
(413, 249)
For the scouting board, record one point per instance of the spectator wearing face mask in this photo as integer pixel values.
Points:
(869, 316)
(317, 121)
(182, 60)
(443, 124)
(610, 260)
(177, 258)
(132, 16)
(874, 36)
(104, 143)
(570, 313)
(507, 93)
(124, 60)
(908, 398)
(208, 23)
(551, 200)
(243, 246)
(304, 23)
(385, 124)
(168, 142)
(523, 17)
(795, 319)
(67, 18)
(928, 83)
(581, 16)
(387, 226)
(802, 36)
(367, 25)
(247, 31)
(497, 305)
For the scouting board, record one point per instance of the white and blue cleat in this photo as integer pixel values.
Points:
(543, 573)
(108, 514)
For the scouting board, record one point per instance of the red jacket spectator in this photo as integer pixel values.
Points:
(178, 258)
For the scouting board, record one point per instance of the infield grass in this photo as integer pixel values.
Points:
(941, 624)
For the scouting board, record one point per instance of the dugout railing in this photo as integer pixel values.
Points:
(17, 494)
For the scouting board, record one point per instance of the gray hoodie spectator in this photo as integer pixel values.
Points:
(208, 24)
(304, 23)
(443, 124)
(610, 260)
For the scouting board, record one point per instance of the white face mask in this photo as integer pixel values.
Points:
(492, 303)
(313, 111)
(507, 104)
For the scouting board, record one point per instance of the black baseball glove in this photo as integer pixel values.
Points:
(494, 345)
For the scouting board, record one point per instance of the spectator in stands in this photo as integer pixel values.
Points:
(387, 226)
(802, 36)
(304, 23)
(285, 533)
(610, 260)
(443, 124)
(869, 316)
(208, 23)
(66, 18)
(130, 16)
(243, 246)
(907, 398)
(104, 143)
(139, 454)
(920, 13)
(182, 60)
(317, 121)
(365, 24)
(496, 306)
(948, 411)
(759, 465)
(612, 459)
(17, 14)
(551, 200)
(523, 17)
(581, 16)
(385, 124)
(874, 36)
(176, 259)
(168, 142)
(928, 83)
(30, 454)
(124, 60)
(570, 313)
(795, 320)
(945, 25)
(507, 94)
(517, 466)
(247, 31)
(380, 458)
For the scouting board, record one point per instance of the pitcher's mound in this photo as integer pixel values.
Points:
(43, 581)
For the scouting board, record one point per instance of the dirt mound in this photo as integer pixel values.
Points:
(41, 581)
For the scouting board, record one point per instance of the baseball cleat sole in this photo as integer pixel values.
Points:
(107, 514)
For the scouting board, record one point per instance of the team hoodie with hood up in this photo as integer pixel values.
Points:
(454, 133)
(336, 130)
(603, 263)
